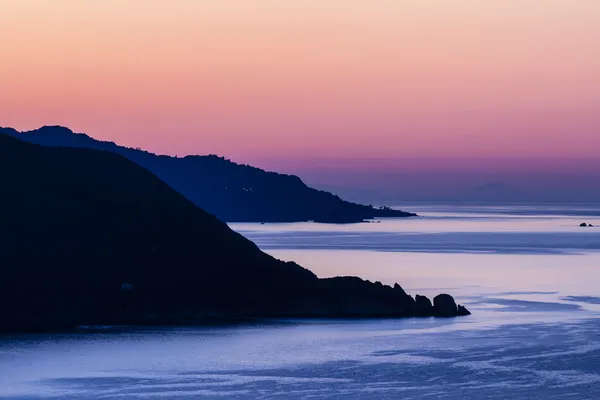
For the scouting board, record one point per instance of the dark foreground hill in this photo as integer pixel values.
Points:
(230, 191)
(89, 237)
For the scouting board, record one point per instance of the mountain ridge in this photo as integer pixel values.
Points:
(232, 192)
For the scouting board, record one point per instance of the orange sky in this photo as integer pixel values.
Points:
(251, 79)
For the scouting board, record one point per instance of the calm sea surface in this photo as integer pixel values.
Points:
(529, 274)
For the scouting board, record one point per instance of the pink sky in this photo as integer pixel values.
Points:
(272, 79)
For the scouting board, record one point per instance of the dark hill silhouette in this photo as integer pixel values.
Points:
(232, 192)
(89, 237)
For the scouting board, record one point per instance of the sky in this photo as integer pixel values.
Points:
(347, 85)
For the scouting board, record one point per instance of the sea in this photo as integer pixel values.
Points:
(529, 274)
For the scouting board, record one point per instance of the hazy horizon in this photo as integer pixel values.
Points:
(467, 179)
(400, 98)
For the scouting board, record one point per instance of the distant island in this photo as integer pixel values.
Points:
(493, 192)
(88, 237)
(230, 191)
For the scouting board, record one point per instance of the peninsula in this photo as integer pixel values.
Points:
(232, 192)
(88, 237)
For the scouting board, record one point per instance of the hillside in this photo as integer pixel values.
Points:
(232, 192)
(89, 237)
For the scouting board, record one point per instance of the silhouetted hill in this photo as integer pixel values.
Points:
(89, 237)
(230, 191)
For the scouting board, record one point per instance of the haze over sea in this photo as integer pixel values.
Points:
(529, 274)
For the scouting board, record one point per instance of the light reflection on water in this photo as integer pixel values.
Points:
(530, 280)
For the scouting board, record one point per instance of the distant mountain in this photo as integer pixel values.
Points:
(494, 192)
(230, 191)
(89, 237)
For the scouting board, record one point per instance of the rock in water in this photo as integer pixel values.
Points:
(462, 311)
(445, 306)
(423, 306)
(583, 225)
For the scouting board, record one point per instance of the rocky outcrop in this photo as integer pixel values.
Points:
(445, 306)
(423, 307)
(354, 297)
(462, 311)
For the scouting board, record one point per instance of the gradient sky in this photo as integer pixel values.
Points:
(274, 82)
